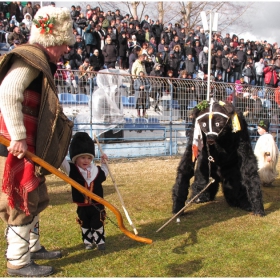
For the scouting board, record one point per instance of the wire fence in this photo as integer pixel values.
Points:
(105, 103)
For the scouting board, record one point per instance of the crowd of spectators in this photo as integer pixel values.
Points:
(106, 39)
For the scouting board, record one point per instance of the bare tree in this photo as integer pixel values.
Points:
(230, 13)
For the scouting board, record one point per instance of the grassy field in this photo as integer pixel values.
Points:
(212, 240)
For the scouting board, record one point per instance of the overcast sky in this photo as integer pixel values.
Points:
(263, 16)
(265, 21)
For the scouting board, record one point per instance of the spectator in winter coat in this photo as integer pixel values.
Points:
(96, 60)
(217, 63)
(202, 37)
(74, 13)
(157, 29)
(145, 23)
(188, 49)
(182, 36)
(148, 34)
(139, 66)
(225, 50)
(167, 34)
(259, 66)
(133, 57)
(153, 44)
(130, 30)
(174, 42)
(173, 64)
(150, 60)
(190, 37)
(249, 55)
(161, 45)
(24, 31)
(77, 59)
(28, 21)
(177, 52)
(142, 86)
(227, 67)
(267, 54)
(189, 65)
(236, 68)
(80, 43)
(28, 9)
(16, 35)
(270, 75)
(133, 43)
(123, 48)
(140, 35)
(203, 60)
(90, 38)
(110, 53)
(227, 40)
(81, 23)
(195, 53)
(248, 72)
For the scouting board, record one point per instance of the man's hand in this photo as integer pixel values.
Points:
(18, 148)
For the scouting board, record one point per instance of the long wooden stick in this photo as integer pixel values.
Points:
(211, 180)
(116, 188)
(81, 189)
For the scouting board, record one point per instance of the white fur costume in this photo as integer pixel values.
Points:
(264, 146)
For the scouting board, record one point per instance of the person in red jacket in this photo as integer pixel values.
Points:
(270, 75)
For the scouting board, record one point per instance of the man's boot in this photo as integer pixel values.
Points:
(38, 252)
(18, 254)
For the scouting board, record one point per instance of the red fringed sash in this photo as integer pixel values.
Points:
(19, 175)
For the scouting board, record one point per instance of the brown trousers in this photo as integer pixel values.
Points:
(38, 200)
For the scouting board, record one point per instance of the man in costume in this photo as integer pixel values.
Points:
(266, 152)
(30, 116)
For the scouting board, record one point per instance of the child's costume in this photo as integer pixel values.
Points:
(265, 147)
(91, 214)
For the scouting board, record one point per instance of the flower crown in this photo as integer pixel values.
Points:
(45, 24)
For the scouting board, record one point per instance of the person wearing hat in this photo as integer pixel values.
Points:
(81, 168)
(31, 119)
(266, 152)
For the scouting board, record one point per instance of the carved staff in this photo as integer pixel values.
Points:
(116, 188)
(81, 189)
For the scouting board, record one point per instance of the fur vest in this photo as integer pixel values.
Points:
(54, 130)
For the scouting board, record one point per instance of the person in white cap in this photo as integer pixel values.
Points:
(266, 152)
(30, 118)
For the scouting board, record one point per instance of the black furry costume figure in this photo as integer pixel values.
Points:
(220, 132)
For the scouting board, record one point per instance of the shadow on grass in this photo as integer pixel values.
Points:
(196, 217)
(271, 195)
(204, 216)
(185, 268)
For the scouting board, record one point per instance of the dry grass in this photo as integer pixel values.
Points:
(212, 240)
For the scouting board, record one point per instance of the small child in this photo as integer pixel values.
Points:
(266, 152)
(91, 214)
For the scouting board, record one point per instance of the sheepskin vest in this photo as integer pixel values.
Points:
(54, 129)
